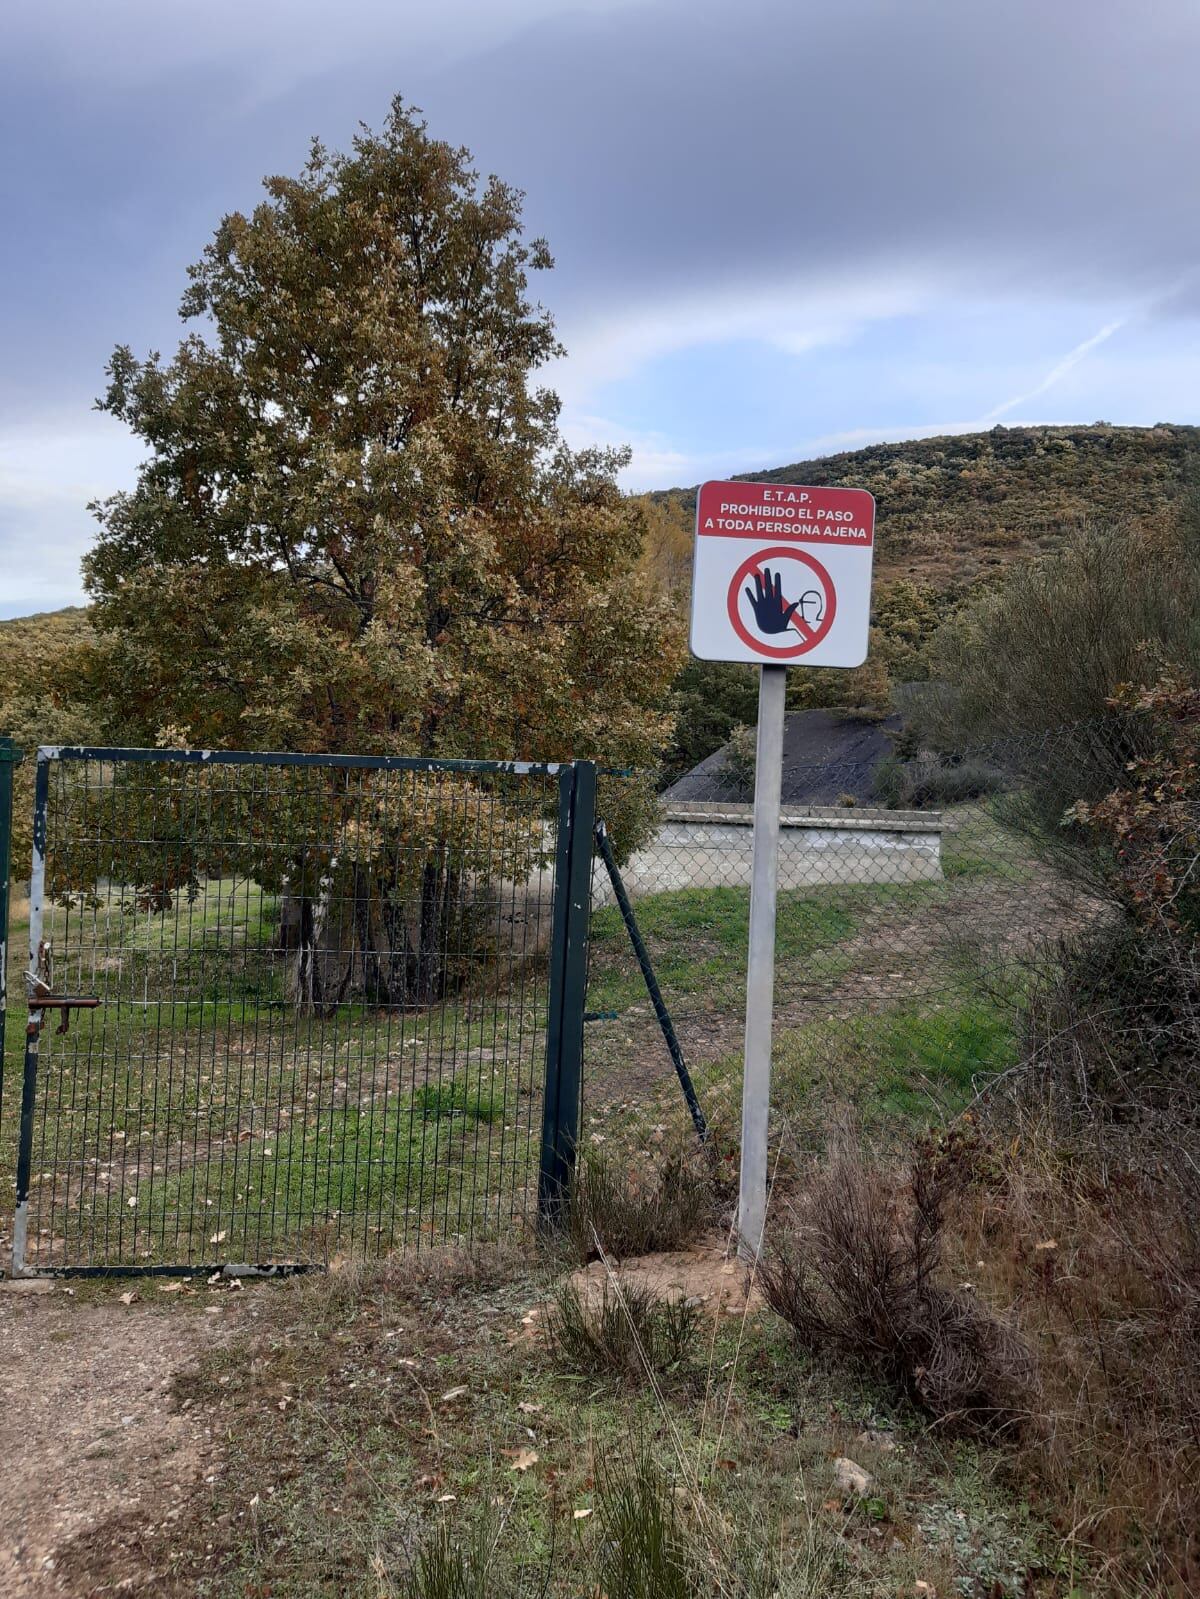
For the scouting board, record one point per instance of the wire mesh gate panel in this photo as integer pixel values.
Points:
(324, 987)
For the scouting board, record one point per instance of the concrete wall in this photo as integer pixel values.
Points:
(710, 845)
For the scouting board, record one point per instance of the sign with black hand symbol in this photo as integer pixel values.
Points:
(782, 574)
(781, 577)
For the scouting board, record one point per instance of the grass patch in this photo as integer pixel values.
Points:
(697, 940)
(436, 1101)
(627, 1333)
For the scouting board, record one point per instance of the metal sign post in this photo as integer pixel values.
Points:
(781, 576)
(760, 974)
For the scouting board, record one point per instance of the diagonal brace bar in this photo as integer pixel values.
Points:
(652, 988)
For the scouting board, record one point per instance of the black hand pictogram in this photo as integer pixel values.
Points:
(771, 612)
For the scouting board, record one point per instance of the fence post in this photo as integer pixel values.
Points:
(10, 756)
(568, 988)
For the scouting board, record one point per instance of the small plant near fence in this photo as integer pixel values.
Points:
(620, 1330)
(624, 1213)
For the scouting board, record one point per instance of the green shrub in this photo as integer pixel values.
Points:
(928, 781)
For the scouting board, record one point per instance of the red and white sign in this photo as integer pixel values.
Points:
(782, 574)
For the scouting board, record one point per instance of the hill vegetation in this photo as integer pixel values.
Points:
(954, 515)
(953, 509)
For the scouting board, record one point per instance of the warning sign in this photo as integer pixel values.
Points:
(782, 574)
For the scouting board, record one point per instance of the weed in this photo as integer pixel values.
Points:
(626, 1216)
(628, 1333)
(438, 1100)
(450, 1569)
(644, 1554)
(474, 1566)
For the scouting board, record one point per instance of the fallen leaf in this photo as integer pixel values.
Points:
(131, 1201)
(446, 1499)
(1048, 1243)
(170, 1288)
(218, 1238)
(128, 1299)
(580, 1515)
(522, 1459)
(528, 1408)
(454, 1393)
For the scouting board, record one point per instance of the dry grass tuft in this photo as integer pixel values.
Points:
(625, 1215)
(628, 1333)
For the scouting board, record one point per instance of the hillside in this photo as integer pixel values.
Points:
(67, 626)
(953, 508)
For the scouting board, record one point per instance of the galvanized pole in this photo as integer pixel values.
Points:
(760, 975)
(10, 755)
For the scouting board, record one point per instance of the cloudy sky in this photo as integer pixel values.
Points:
(782, 227)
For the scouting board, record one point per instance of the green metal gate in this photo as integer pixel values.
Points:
(283, 1007)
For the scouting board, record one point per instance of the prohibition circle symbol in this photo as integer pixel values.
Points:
(810, 636)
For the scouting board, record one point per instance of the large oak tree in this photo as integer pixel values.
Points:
(357, 526)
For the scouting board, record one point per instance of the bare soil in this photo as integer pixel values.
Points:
(706, 1273)
(89, 1430)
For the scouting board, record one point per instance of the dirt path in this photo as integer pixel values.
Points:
(88, 1427)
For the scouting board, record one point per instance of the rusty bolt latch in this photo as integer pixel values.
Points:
(41, 996)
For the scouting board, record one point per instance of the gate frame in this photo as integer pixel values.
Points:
(10, 758)
(571, 910)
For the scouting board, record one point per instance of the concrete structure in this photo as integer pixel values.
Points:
(709, 845)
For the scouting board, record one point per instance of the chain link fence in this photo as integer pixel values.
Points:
(326, 984)
(927, 902)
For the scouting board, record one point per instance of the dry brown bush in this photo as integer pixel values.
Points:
(858, 1269)
(1099, 1247)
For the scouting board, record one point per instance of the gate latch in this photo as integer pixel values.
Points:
(39, 990)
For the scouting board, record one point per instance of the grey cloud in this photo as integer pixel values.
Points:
(739, 144)
(667, 147)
